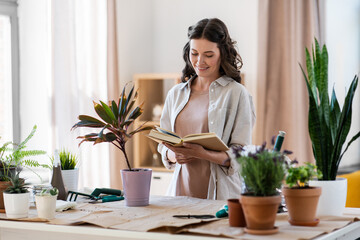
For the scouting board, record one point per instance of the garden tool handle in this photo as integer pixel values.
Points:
(112, 198)
(110, 191)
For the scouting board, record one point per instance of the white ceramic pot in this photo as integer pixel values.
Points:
(333, 197)
(46, 206)
(71, 179)
(17, 204)
(136, 185)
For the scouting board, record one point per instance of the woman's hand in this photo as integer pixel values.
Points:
(186, 153)
(190, 152)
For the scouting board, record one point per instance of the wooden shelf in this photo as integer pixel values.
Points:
(152, 90)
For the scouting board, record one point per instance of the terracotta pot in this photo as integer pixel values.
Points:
(236, 215)
(3, 186)
(302, 205)
(136, 186)
(260, 212)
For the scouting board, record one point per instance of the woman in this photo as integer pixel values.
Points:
(209, 99)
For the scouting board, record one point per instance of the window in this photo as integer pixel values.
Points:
(9, 72)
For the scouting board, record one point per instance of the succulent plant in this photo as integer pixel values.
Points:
(17, 184)
(51, 191)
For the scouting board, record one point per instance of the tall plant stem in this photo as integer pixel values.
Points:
(122, 148)
(126, 158)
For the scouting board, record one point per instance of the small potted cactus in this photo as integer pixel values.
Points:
(16, 198)
(46, 202)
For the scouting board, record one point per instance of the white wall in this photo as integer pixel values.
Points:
(135, 39)
(156, 32)
(342, 38)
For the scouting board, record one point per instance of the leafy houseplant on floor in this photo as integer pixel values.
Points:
(18, 158)
(328, 129)
(262, 171)
(46, 203)
(69, 170)
(16, 198)
(301, 200)
(114, 123)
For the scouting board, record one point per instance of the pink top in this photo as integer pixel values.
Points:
(194, 177)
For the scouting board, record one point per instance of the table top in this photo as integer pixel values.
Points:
(112, 220)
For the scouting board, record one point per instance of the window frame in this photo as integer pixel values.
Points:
(9, 8)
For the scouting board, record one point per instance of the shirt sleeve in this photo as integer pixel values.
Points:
(165, 122)
(242, 130)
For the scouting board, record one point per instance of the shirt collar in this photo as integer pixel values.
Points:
(223, 81)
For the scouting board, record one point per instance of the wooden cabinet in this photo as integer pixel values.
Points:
(152, 90)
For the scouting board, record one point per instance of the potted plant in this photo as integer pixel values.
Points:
(46, 202)
(69, 170)
(17, 158)
(328, 129)
(301, 199)
(262, 171)
(115, 120)
(16, 198)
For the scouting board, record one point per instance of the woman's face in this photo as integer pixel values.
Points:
(205, 58)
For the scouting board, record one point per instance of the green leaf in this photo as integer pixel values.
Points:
(344, 127)
(108, 111)
(89, 119)
(101, 111)
(352, 140)
(115, 109)
(125, 110)
(310, 71)
(334, 115)
(122, 101)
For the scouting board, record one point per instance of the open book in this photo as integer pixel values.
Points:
(207, 140)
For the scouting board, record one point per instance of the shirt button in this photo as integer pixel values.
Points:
(211, 122)
(212, 90)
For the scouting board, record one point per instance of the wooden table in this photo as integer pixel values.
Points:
(37, 230)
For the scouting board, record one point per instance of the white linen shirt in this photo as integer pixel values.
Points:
(231, 115)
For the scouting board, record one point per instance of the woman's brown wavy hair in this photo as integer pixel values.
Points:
(214, 30)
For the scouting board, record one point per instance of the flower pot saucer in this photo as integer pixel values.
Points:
(262, 231)
(307, 224)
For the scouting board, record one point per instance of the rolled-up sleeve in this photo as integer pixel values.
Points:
(242, 129)
(165, 122)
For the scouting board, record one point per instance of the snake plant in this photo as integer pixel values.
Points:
(328, 124)
(115, 120)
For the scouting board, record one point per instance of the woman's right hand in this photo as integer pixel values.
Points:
(174, 155)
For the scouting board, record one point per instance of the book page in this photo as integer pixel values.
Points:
(199, 135)
(166, 131)
(163, 137)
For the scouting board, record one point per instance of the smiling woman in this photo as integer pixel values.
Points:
(210, 92)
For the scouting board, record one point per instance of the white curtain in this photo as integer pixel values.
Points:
(79, 77)
(63, 52)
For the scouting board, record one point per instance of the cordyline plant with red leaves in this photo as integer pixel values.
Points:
(116, 118)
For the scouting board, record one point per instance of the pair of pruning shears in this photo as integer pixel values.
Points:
(99, 195)
(108, 198)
